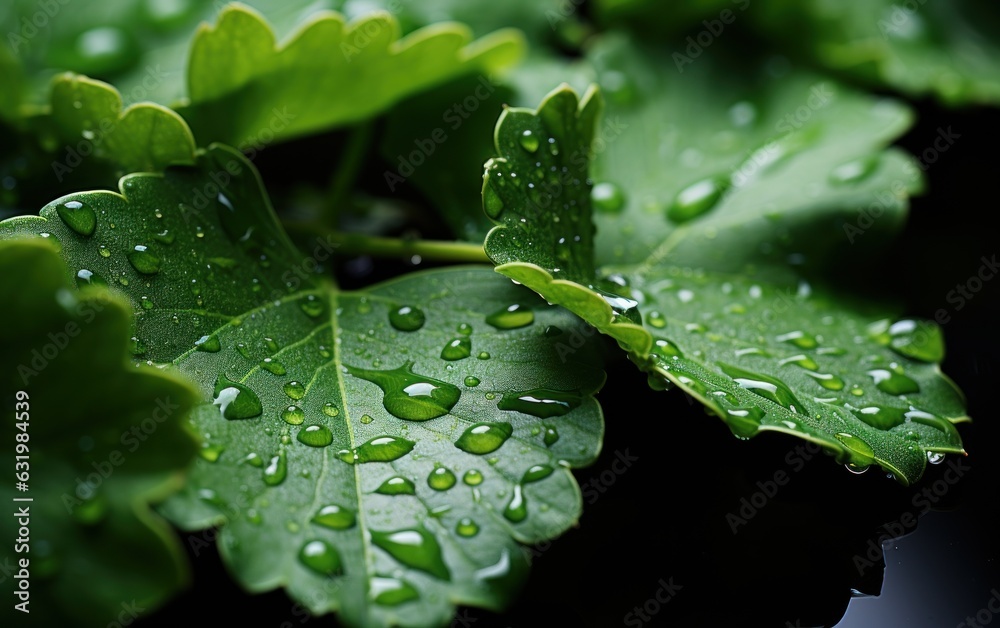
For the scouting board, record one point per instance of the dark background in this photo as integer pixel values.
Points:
(802, 559)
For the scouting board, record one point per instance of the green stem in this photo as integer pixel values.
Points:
(347, 171)
(429, 250)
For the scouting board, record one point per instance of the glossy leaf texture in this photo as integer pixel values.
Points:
(246, 89)
(948, 51)
(378, 452)
(761, 352)
(92, 458)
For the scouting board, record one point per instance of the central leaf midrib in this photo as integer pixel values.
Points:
(334, 304)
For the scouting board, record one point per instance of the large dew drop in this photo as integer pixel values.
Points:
(410, 396)
(78, 216)
(321, 557)
(484, 438)
(696, 199)
(540, 402)
(415, 548)
(235, 400)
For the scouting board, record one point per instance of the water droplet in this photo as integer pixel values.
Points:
(857, 391)
(657, 319)
(893, 383)
(511, 317)
(210, 452)
(392, 591)
(484, 438)
(146, 302)
(767, 387)
(271, 344)
(293, 415)
(744, 422)
(457, 349)
(136, 346)
(935, 457)
(407, 318)
(235, 400)
(334, 517)
(801, 360)
(483, 355)
(143, 260)
(321, 557)
(384, 449)
(528, 141)
(276, 469)
(441, 479)
(920, 340)
(471, 381)
(696, 199)
(800, 339)
(273, 366)
(473, 477)
(366, 419)
(294, 390)
(466, 527)
(312, 306)
(78, 216)
(540, 402)
(415, 548)
(410, 396)
(397, 485)
(827, 380)
(536, 473)
(862, 453)
(253, 460)
(608, 198)
(103, 250)
(881, 417)
(330, 409)
(854, 171)
(517, 508)
(164, 237)
(86, 277)
(209, 344)
(315, 436)
(551, 436)
(666, 349)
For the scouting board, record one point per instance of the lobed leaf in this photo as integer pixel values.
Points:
(762, 357)
(376, 452)
(95, 456)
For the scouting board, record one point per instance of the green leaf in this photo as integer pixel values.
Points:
(314, 398)
(95, 457)
(246, 89)
(948, 50)
(141, 138)
(794, 162)
(759, 356)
